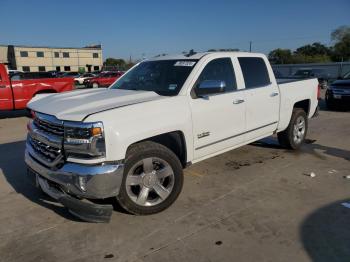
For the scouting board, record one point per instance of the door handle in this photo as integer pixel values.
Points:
(237, 101)
(274, 94)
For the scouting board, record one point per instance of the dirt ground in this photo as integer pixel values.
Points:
(256, 203)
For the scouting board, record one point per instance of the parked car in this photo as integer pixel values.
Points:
(322, 75)
(11, 72)
(132, 140)
(80, 80)
(15, 93)
(31, 75)
(338, 93)
(104, 79)
(54, 73)
(60, 74)
(70, 74)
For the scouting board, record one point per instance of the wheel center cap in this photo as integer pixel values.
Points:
(149, 180)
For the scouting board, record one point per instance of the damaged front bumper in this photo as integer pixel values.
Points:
(74, 184)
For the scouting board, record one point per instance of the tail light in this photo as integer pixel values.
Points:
(319, 92)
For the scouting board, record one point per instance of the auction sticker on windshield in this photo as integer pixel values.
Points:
(185, 63)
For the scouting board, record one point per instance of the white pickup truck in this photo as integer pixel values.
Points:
(132, 140)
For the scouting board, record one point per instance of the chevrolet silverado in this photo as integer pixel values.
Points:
(131, 141)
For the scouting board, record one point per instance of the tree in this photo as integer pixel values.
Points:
(338, 34)
(115, 62)
(341, 48)
(281, 56)
(315, 49)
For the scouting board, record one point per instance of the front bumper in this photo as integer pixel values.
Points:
(338, 98)
(72, 182)
(85, 210)
(86, 181)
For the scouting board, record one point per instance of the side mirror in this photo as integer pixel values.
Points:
(208, 87)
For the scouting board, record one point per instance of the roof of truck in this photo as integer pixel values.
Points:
(199, 55)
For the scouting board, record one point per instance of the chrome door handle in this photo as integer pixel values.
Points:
(237, 101)
(274, 94)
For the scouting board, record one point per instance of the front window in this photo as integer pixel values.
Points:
(24, 54)
(40, 54)
(165, 77)
(26, 68)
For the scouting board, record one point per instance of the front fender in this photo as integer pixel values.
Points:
(130, 124)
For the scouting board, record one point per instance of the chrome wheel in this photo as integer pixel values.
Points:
(299, 130)
(94, 85)
(150, 181)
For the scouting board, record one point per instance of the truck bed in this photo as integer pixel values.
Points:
(292, 90)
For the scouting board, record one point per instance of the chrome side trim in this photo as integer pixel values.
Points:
(227, 138)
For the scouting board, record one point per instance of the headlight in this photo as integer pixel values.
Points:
(84, 139)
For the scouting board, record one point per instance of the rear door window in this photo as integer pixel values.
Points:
(254, 72)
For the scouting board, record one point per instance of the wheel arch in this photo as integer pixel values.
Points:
(174, 140)
(303, 104)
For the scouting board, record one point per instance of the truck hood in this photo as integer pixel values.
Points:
(77, 105)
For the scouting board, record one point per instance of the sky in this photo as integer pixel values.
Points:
(147, 28)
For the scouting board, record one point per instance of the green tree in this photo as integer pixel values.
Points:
(281, 56)
(315, 49)
(115, 62)
(339, 33)
(341, 48)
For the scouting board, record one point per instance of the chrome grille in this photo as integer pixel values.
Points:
(55, 128)
(48, 153)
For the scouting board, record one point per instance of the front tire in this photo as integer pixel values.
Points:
(294, 136)
(95, 85)
(152, 180)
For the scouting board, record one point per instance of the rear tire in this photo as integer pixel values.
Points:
(152, 180)
(294, 136)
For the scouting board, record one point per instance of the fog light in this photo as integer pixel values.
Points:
(82, 183)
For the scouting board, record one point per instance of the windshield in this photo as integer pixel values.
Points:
(165, 77)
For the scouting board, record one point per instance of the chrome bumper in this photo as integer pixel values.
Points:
(86, 181)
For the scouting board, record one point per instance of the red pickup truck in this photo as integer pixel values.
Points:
(15, 94)
(104, 79)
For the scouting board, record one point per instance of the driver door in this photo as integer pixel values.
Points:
(218, 119)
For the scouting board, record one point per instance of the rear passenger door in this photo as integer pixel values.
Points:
(262, 98)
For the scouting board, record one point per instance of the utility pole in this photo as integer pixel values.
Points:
(250, 46)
